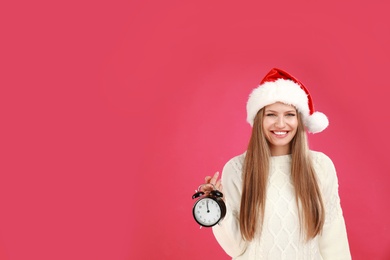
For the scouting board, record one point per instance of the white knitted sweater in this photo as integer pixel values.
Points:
(281, 237)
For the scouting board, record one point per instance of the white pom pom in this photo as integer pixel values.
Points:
(317, 122)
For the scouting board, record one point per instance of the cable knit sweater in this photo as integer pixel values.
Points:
(281, 237)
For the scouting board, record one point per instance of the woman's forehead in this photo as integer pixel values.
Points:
(280, 106)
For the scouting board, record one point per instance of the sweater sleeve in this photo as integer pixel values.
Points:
(333, 241)
(227, 232)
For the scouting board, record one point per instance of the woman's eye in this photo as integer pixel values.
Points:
(291, 114)
(270, 114)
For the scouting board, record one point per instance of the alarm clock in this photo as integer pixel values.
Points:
(209, 208)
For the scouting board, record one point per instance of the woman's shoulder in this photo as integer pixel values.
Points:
(237, 159)
(234, 165)
(319, 158)
(324, 168)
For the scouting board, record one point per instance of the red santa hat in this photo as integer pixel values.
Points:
(279, 86)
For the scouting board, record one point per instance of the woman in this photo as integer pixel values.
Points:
(282, 199)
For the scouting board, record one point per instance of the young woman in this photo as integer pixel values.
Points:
(282, 198)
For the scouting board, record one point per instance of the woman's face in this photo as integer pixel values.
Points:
(280, 123)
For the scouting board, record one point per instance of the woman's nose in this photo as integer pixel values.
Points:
(280, 122)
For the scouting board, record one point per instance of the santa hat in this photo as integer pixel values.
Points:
(279, 86)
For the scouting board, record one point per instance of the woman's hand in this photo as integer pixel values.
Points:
(216, 183)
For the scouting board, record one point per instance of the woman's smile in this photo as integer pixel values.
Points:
(280, 134)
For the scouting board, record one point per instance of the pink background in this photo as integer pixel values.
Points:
(112, 113)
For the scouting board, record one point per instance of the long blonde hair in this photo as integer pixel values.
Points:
(255, 178)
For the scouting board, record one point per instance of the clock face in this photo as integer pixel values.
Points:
(207, 212)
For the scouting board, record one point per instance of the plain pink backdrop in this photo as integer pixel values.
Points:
(112, 113)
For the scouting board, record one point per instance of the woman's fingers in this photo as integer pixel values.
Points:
(212, 180)
(218, 185)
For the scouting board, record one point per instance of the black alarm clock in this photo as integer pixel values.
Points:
(209, 208)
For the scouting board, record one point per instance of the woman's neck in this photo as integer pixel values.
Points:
(280, 150)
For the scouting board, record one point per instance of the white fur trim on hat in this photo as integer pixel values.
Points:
(288, 92)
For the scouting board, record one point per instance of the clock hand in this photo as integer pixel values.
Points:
(207, 205)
